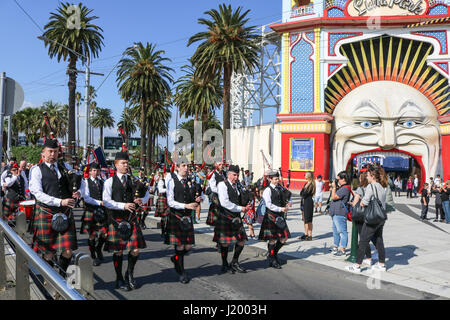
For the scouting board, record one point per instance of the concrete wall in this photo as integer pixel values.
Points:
(246, 145)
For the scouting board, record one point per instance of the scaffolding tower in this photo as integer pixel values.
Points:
(260, 88)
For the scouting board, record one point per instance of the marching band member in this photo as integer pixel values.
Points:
(182, 200)
(15, 185)
(54, 224)
(124, 233)
(92, 191)
(161, 204)
(217, 176)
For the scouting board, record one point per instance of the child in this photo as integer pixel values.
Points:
(424, 200)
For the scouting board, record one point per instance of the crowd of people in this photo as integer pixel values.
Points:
(116, 207)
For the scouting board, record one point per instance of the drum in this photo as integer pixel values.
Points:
(27, 207)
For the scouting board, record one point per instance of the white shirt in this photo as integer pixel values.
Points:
(84, 190)
(213, 183)
(437, 182)
(224, 199)
(170, 194)
(109, 203)
(267, 196)
(416, 182)
(36, 186)
(161, 188)
(319, 187)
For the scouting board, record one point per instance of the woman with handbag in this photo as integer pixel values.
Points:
(358, 212)
(374, 202)
(308, 205)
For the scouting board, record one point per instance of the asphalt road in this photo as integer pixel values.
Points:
(297, 279)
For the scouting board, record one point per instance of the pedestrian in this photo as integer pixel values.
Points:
(318, 196)
(182, 200)
(445, 192)
(340, 197)
(228, 229)
(398, 186)
(437, 181)
(424, 200)
(124, 232)
(274, 228)
(409, 187)
(359, 195)
(376, 188)
(438, 203)
(309, 189)
(416, 185)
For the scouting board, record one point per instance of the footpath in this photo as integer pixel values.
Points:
(417, 252)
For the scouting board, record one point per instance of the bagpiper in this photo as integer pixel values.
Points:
(274, 228)
(124, 232)
(94, 220)
(182, 200)
(161, 205)
(145, 208)
(54, 223)
(229, 229)
(217, 176)
(15, 184)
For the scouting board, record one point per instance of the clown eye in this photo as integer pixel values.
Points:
(366, 124)
(408, 124)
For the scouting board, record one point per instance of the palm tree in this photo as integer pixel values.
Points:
(57, 116)
(227, 46)
(143, 78)
(78, 102)
(102, 119)
(86, 41)
(197, 96)
(28, 121)
(158, 118)
(127, 123)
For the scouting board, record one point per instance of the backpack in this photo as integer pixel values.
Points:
(348, 207)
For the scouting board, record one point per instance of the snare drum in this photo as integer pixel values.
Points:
(27, 207)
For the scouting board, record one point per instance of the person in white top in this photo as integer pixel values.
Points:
(92, 191)
(119, 198)
(318, 197)
(437, 181)
(416, 185)
(49, 184)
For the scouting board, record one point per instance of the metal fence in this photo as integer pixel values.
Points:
(81, 277)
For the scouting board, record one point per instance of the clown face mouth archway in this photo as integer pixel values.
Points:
(386, 100)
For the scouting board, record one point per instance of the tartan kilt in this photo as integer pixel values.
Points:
(269, 231)
(31, 225)
(174, 235)
(90, 226)
(224, 234)
(114, 242)
(45, 240)
(9, 210)
(161, 206)
(213, 214)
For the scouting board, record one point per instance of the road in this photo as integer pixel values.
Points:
(298, 279)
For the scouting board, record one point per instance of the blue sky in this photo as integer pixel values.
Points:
(169, 24)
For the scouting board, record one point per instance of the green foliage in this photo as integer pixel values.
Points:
(31, 154)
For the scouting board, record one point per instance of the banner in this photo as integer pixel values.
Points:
(301, 154)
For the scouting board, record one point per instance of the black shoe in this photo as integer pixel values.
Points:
(184, 278)
(176, 265)
(120, 284)
(225, 268)
(308, 238)
(96, 262)
(303, 237)
(129, 279)
(435, 220)
(235, 266)
(274, 263)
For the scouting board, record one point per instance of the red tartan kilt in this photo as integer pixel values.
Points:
(9, 210)
(161, 206)
(115, 242)
(269, 231)
(46, 240)
(90, 226)
(174, 235)
(212, 215)
(224, 233)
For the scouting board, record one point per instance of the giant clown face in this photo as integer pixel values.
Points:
(386, 116)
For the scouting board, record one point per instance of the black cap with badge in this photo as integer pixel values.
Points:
(234, 168)
(122, 156)
(51, 143)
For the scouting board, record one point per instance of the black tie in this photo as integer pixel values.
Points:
(52, 167)
(124, 180)
(97, 183)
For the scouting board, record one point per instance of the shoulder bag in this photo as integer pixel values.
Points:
(374, 213)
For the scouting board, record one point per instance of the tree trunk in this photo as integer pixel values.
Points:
(101, 137)
(149, 148)
(143, 134)
(226, 101)
(204, 128)
(72, 88)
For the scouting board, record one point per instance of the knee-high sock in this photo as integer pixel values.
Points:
(179, 254)
(117, 260)
(278, 246)
(91, 244)
(271, 250)
(132, 262)
(224, 254)
(237, 251)
(63, 262)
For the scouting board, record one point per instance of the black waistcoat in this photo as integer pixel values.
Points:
(54, 187)
(120, 193)
(94, 191)
(219, 177)
(234, 197)
(183, 195)
(276, 198)
(16, 192)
